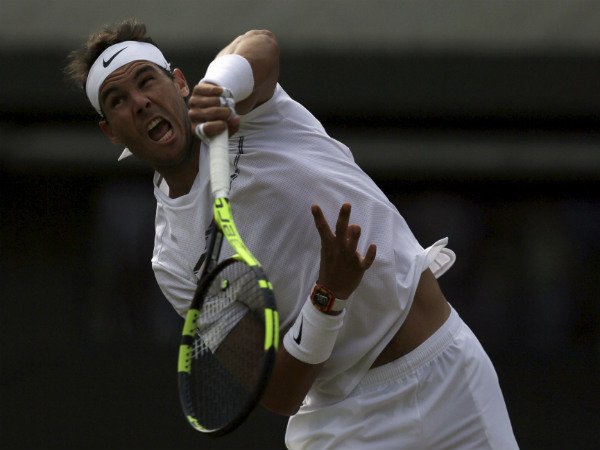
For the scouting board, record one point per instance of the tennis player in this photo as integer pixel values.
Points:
(373, 356)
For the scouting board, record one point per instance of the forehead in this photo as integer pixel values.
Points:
(128, 72)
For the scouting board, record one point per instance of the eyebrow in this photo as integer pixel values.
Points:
(138, 73)
(142, 70)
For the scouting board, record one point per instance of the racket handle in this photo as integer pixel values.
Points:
(219, 165)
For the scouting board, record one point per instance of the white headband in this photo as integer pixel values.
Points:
(117, 56)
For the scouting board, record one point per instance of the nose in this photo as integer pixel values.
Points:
(140, 102)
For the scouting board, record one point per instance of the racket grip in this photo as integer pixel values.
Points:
(219, 164)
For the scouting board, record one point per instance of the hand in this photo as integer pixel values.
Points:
(342, 266)
(204, 106)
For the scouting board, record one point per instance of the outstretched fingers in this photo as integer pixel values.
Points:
(353, 236)
(341, 226)
(342, 266)
(369, 257)
(321, 224)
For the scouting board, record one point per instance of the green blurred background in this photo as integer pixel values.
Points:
(479, 119)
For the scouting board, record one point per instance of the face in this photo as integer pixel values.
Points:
(145, 110)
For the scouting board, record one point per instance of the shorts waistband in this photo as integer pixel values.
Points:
(415, 359)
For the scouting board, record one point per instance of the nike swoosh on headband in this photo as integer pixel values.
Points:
(107, 63)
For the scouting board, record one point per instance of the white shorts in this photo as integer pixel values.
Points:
(443, 395)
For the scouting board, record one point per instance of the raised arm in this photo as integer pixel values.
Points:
(341, 270)
(261, 50)
(249, 67)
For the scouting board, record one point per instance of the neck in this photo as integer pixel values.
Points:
(181, 178)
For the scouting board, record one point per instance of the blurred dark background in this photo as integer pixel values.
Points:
(478, 119)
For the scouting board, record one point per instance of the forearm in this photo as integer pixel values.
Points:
(310, 341)
(290, 381)
(306, 346)
(249, 69)
(261, 50)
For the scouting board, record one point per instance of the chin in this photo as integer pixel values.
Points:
(174, 158)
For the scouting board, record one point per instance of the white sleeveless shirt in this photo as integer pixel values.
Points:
(282, 162)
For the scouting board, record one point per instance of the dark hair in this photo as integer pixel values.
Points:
(81, 60)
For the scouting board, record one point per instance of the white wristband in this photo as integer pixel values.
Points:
(313, 335)
(232, 72)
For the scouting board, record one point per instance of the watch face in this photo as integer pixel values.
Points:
(321, 299)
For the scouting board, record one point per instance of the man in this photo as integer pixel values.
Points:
(373, 356)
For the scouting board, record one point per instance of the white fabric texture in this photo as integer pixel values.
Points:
(282, 162)
(444, 395)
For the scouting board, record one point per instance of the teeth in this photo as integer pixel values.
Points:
(153, 123)
(167, 136)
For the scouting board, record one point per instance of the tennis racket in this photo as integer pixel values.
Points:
(231, 330)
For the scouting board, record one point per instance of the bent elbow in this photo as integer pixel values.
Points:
(267, 39)
(266, 34)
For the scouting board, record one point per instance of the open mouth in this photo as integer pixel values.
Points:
(160, 130)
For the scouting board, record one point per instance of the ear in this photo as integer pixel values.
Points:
(181, 82)
(107, 130)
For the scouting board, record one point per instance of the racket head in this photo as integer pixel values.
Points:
(228, 347)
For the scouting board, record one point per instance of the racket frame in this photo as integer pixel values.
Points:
(224, 226)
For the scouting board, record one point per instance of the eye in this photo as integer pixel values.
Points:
(115, 101)
(144, 82)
